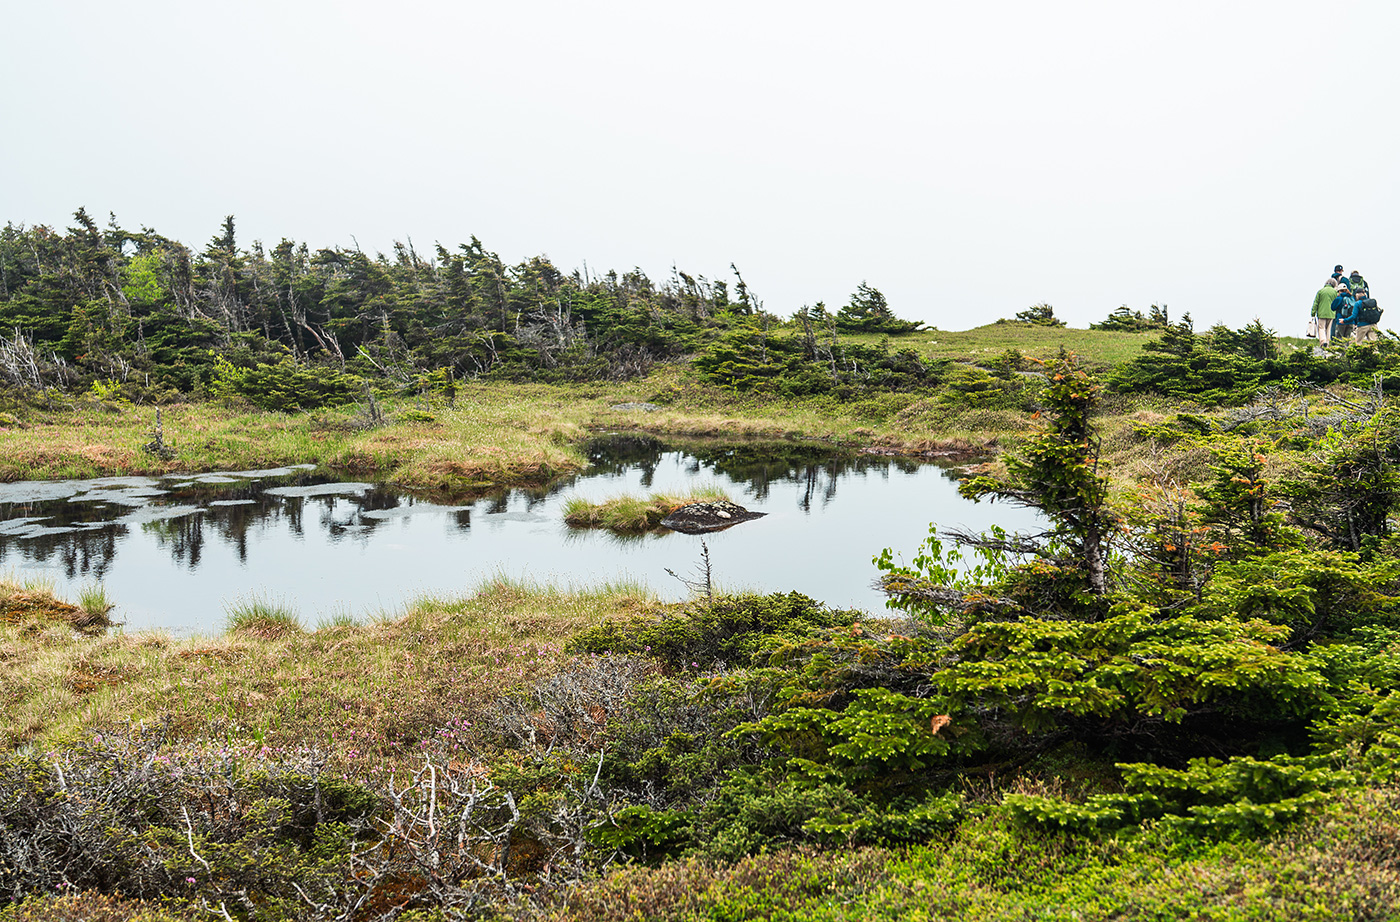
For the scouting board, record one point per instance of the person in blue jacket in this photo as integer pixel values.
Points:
(1342, 307)
(1354, 316)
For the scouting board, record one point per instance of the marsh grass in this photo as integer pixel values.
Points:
(262, 618)
(496, 434)
(370, 695)
(93, 600)
(508, 434)
(31, 607)
(34, 582)
(336, 619)
(630, 514)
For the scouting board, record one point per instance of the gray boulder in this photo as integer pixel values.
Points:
(701, 518)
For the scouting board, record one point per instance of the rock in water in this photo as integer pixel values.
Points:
(699, 518)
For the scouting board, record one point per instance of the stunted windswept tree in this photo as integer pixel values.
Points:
(1057, 473)
(868, 311)
(1350, 488)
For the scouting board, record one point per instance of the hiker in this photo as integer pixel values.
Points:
(1359, 291)
(1337, 271)
(1341, 307)
(1364, 315)
(1322, 312)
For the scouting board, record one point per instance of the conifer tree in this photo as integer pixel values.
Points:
(1057, 473)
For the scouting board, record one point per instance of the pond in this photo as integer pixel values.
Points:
(176, 552)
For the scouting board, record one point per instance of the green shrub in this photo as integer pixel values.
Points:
(733, 629)
(1318, 594)
(968, 388)
(752, 814)
(285, 386)
(671, 740)
(1240, 796)
(644, 833)
(881, 738)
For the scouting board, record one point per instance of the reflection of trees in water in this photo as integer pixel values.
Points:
(93, 554)
(85, 552)
(499, 503)
(757, 465)
(243, 508)
(232, 523)
(77, 553)
(817, 468)
(378, 499)
(183, 535)
(618, 454)
(338, 524)
(811, 486)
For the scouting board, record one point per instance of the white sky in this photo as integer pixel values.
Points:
(968, 159)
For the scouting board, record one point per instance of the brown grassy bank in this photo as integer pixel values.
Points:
(494, 434)
(368, 694)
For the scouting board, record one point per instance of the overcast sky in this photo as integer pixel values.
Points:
(968, 159)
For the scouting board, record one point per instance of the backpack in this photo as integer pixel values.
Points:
(1367, 313)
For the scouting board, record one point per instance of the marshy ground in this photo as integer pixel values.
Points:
(434, 683)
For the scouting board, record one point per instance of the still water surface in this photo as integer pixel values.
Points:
(175, 552)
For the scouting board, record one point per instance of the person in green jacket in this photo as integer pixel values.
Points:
(1322, 310)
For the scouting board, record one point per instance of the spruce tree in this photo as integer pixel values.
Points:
(1057, 473)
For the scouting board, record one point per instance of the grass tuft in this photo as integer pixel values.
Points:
(31, 605)
(92, 599)
(262, 619)
(336, 620)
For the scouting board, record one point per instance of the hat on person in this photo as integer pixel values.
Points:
(1337, 268)
(1356, 273)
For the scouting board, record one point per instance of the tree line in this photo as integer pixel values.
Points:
(109, 304)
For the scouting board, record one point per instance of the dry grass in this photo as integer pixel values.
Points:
(495, 434)
(517, 434)
(371, 694)
(32, 607)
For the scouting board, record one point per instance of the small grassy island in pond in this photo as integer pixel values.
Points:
(635, 513)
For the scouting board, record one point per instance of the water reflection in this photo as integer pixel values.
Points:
(175, 551)
(758, 465)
